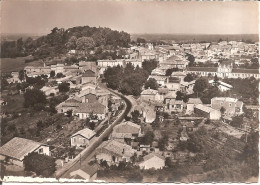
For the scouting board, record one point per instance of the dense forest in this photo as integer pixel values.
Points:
(59, 41)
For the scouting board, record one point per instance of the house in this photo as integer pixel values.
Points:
(152, 160)
(159, 79)
(232, 106)
(16, 149)
(88, 77)
(14, 78)
(207, 112)
(89, 65)
(173, 105)
(84, 110)
(126, 131)
(85, 172)
(50, 90)
(69, 104)
(222, 86)
(147, 111)
(113, 152)
(192, 102)
(148, 95)
(82, 138)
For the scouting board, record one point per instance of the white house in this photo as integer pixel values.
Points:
(207, 112)
(82, 138)
(16, 149)
(152, 160)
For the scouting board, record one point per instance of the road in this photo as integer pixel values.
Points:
(89, 152)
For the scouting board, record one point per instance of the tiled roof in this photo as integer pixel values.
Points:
(116, 148)
(149, 91)
(95, 108)
(151, 155)
(127, 127)
(87, 133)
(194, 101)
(250, 71)
(89, 73)
(205, 108)
(206, 69)
(18, 148)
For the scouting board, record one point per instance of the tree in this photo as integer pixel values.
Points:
(21, 75)
(149, 65)
(52, 74)
(216, 79)
(222, 110)
(201, 85)
(237, 121)
(170, 71)
(148, 138)
(59, 75)
(92, 125)
(85, 43)
(140, 40)
(151, 83)
(69, 113)
(188, 78)
(191, 59)
(72, 43)
(64, 87)
(40, 164)
(33, 97)
(135, 116)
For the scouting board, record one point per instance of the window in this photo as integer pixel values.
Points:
(41, 150)
(230, 104)
(75, 140)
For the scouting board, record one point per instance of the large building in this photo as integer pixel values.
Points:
(232, 106)
(104, 64)
(225, 71)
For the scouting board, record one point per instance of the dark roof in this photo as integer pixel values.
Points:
(91, 170)
(206, 69)
(251, 71)
(95, 108)
(89, 73)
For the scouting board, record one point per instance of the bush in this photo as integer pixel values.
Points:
(40, 164)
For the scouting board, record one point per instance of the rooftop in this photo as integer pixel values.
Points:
(18, 148)
(87, 133)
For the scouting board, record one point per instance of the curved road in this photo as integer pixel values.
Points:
(89, 151)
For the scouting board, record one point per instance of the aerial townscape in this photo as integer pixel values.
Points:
(92, 104)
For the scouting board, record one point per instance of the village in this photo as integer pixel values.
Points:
(188, 103)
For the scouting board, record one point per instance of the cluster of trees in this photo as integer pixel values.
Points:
(129, 80)
(206, 92)
(170, 71)
(34, 98)
(40, 164)
(250, 90)
(191, 59)
(151, 83)
(60, 40)
(12, 49)
(64, 87)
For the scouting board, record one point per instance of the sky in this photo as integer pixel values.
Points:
(39, 17)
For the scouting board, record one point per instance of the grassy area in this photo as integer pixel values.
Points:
(14, 103)
(15, 64)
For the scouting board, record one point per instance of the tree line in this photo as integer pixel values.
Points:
(129, 80)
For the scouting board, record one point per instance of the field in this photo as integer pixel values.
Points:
(15, 64)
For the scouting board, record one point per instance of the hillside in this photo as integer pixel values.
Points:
(59, 41)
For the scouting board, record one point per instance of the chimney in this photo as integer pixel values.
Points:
(123, 151)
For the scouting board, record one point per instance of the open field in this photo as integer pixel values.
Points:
(15, 64)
